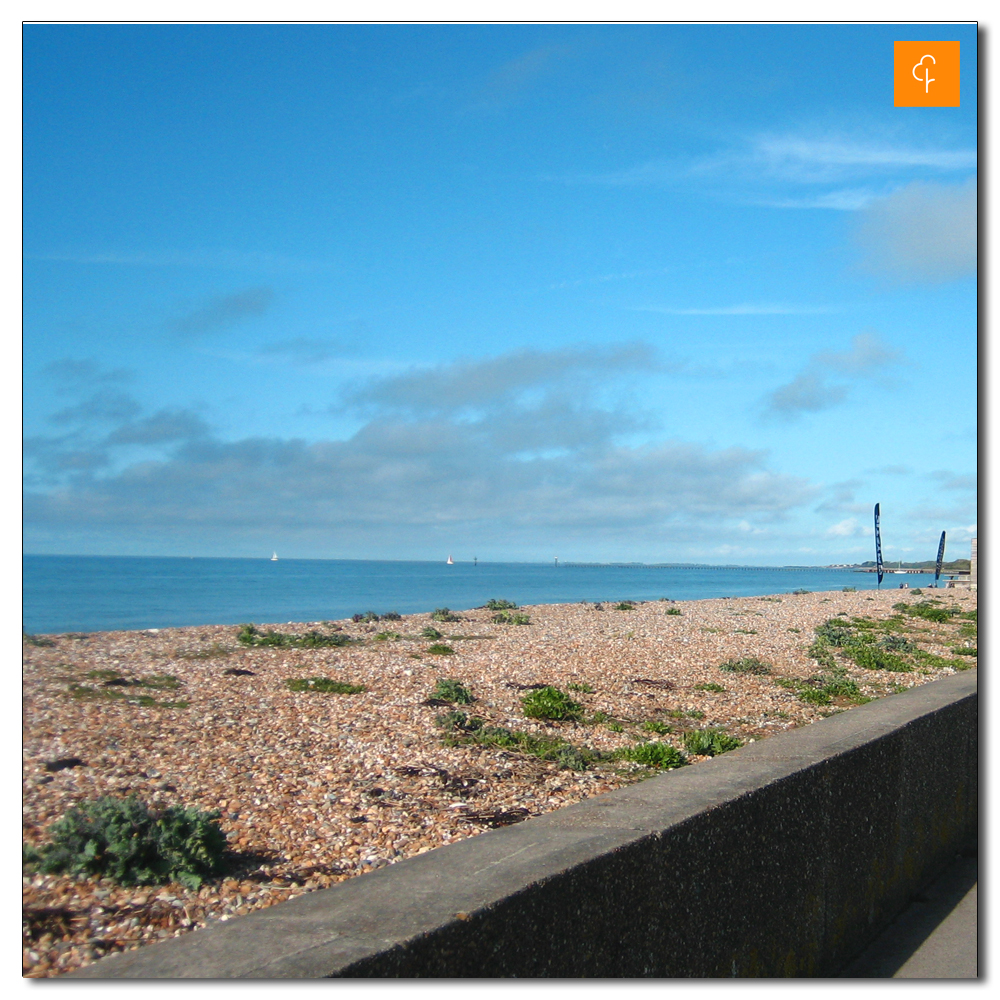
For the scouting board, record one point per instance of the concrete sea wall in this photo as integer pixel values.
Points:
(783, 858)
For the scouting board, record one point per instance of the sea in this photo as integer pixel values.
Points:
(110, 593)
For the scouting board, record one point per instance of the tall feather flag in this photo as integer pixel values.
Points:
(940, 559)
(878, 550)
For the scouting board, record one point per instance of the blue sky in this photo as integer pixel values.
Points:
(606, 292)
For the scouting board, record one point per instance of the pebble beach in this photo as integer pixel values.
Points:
(313, 788)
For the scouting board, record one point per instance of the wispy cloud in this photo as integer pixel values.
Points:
(791, 170)
(481, 448)
(811, 390)
(302, 350)
(223, 311)
(923, 232)
(745, 309)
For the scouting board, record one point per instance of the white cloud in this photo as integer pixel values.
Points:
(922, 232)
(811, 390)
(848, 528)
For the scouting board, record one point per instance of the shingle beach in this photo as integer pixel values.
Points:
(315, 788)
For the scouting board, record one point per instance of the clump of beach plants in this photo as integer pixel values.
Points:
(661, 756)
(928, 610)
(499, 604)
(366, 616)
(250, 635)
(625, 606)
(445, 615)
(673, 610)
(454, 691)
(709, 687)
(204, 653)
(36, 640)
(581, 686)
(324, 685)
(965, 650)
(745, 665)
(801, 590)
(853, 590)
(654, 726)
(550, 703)
(430, 632)
(710, 742)
(123, 839)
(462, 729)
(388, 636)
(440, 649)
(511, 618)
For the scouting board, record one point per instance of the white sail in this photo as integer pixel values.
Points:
(274, 557)
(451, 562)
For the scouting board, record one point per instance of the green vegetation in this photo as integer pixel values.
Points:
(661, 756)
(746, 665)
(746, 631)
(498, 604)
(250, 635)
(820, 652)
(36, 640)
(710, 742)
(115, 687)
(823, 688)
(440, 649)
(453, 691)
(325, 685)
(462, 730)
(873, 657)
(583, 687)
(965, 650)
(388, 636)
(123, 840)
(854, 590)
(674, 610)
(709, 687)
(550, 703)
(660, 728)
(801, 591)
(511, 618)
(430, 632)
(625, 606)
(367, 616)
(927, 610)
(445, 615)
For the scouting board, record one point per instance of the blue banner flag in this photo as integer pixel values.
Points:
(940, 559)
(878, 550)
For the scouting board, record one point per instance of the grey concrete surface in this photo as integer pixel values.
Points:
(935, 937)
(784, 858)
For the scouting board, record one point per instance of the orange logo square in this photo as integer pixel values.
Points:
(925, 74)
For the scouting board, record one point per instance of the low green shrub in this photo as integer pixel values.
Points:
(461, 729)
(250, 635)
(445, 615)
(660, 728)
(709, 687)
(624, 606)
(550, 703)
(896, 644)
(367, 616)
(440, 649)
(511, 618)
(710, 742)
(392, 616)
(801, 591)
(499, 604)
(673, 611)
(927, 610)
(36, 640)
(124, 840)
(430, 632)
(872, 657)
(454, 691)
(746, 665)
(582, 687)
(849, 590)
(965, 650)
(661, 756)
(388, 636)
(325, 685)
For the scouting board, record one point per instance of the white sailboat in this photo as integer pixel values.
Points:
(451, 562)
(274, 557)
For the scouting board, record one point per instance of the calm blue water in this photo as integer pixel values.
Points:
(103, 593)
